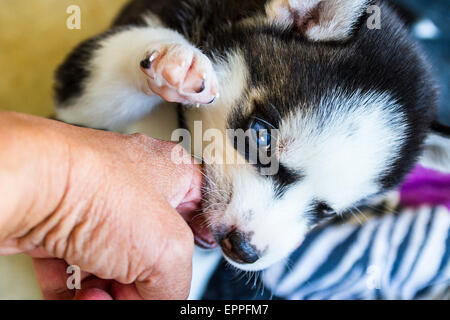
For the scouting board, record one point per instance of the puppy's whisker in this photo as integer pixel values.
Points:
(356, 217)
(360, 212)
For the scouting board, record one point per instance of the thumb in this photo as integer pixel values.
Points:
(168, 273)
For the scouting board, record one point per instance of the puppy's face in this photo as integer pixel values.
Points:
(327, 154)
(335, 130)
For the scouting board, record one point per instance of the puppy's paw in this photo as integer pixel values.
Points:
(180, 73)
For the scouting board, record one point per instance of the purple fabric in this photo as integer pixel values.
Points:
(425, 187)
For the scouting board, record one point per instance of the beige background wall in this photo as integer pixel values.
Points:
(33, 41)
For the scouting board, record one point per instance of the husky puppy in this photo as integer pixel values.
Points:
(352, 106)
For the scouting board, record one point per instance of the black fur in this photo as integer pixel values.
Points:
(440, 129)
(320, 212)
(207, 24)
(284, 178)
(72, 74)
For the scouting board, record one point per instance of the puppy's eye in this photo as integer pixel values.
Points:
(261, 133)
(324, 211)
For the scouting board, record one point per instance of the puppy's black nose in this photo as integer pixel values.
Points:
(236, 245)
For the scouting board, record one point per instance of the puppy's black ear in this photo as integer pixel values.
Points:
(436, 153)
(318, 20)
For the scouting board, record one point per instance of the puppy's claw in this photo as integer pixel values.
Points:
(146, 64)
(148, 61)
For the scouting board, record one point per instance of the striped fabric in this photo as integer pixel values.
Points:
(404, 256)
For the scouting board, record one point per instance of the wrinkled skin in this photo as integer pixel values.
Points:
(106, 202)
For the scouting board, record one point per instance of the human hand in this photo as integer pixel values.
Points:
(118, 219)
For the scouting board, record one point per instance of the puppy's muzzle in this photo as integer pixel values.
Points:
(236, 246)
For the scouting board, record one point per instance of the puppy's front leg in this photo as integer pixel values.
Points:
(118, 77)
